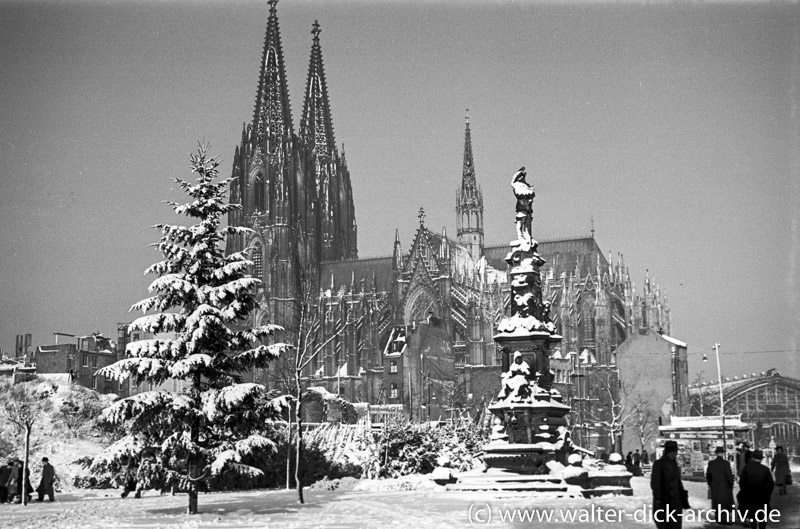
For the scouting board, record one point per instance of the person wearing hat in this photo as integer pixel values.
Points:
(47, 481)
(669, 496)
(756, 486)
(720, 482)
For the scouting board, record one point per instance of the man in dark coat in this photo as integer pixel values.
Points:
(720, 481)
(668, 491)
(5, 473)
(756, 486)
(637, 459)
(47, 481)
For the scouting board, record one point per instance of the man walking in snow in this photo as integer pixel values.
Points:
(756, 486)
(720, 482)
(47, 481)
(668, 491)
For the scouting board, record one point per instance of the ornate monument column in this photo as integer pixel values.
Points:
(529, 425)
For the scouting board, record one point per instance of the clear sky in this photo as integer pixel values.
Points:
(670, 125)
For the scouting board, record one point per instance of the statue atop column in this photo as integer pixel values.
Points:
(525, 194)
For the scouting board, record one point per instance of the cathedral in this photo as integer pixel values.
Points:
(411, 331)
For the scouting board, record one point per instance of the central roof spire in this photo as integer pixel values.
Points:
(468, 174)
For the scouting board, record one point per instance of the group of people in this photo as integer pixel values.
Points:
(13, 484)
(756, 485)
(634, 462)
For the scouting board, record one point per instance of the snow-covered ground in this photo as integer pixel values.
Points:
(354, 503)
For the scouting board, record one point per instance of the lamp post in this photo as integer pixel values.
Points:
(721, 403)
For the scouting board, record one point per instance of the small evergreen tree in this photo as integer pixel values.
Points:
(205, 298)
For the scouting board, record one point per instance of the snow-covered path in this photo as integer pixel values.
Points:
(428, 508)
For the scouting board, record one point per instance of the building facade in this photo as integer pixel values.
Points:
(79, 362)
(413, 328)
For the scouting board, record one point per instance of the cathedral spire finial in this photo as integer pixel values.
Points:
(272, 4)
(421, 216)
(316, 124)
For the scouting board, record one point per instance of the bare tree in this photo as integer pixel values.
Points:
(642, 419)
(618, 407)
(25, 405)
(310, 342)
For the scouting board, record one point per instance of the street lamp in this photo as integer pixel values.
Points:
(721, 403)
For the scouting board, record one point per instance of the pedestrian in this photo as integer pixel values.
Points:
(47, 481)
(129, 478)
(25, 484)
(669, 496)
(629, 459)
(720, 482)
(12, 484)
(756, 486)
(780, 465)
(645, 457)
(5, 472)
(637, 459)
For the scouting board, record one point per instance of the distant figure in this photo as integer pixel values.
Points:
(645, 458)
(743, 455)
(5, 473)
(756, 486)
(780, 465)
(720, 481)
(637, 458)
(27, 481)
(12, 483)
(47, 481)
(669, 496)
(629, 459)
(130, 479)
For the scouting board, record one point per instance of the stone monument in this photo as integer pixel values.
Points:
(530, 429)
(530, 445)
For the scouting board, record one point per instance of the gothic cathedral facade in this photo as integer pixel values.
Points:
(413, 330)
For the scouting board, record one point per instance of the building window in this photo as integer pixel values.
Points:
(258, 260)
(85, 360)
(260, 192)
(393, 366)
(393, 391)
(94, 381)
(94, 361)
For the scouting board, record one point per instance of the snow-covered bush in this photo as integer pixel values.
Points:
(204, 298)
(404, 448)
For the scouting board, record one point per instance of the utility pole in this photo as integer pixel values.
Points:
(721, 402)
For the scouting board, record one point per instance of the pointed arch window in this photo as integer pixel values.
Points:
(260, 192)
(258, 260)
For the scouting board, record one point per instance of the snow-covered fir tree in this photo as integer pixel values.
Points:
(203, 298)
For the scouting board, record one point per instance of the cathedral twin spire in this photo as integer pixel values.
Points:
(294, 188)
